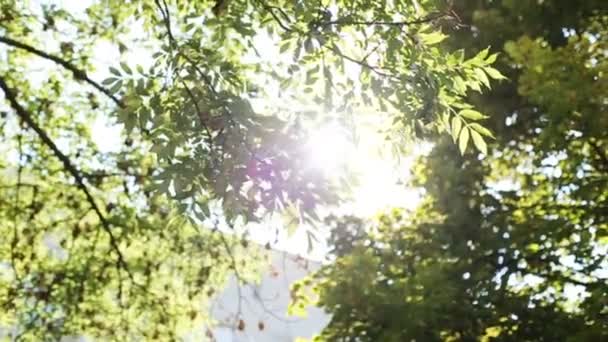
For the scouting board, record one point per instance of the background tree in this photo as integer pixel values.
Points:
(122, 244)
(510, 245)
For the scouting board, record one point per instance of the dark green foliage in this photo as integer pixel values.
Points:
(505, 241)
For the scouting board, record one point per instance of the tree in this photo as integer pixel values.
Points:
(509, 245)
(129, 243)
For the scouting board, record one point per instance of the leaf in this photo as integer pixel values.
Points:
(432, 38)
(463, 140)
(108, 81)
(291, 219)
(116, 87)
(459, 85)
(495, 74)
(130, 122)
(474, 85)
(311, 75)
(482, 130)
(471, 114)
(126, 68)
(482, 77)
(308, 47)
(492, 58)
(481, 56)
(478, 142)
(456, 125)
(445, 118)
(115, 71)
(285, 46)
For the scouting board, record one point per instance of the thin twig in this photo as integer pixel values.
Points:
(79, 74)
(270, 9)
(335, 49)
(418, 21)
(363, 64)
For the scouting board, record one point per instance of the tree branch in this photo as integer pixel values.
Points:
(69, 167)
(424, 20)
(270, 9)
(335, 49)
(361, 63)
(79, 74)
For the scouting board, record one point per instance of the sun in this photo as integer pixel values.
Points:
(378, 176)
(329, 148)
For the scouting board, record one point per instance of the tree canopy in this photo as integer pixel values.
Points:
(509, 245)
(212, 100)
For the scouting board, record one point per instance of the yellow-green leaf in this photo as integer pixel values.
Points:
(482, 130)
(495, 74)
(492, 58)
(479, 143)
(482, 77)
(482, 54)
(445, 118)
(463, 140)
(456, 125)
(432, 38)
(471, 114)
(459, 85)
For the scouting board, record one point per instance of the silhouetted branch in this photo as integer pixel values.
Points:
(270, 9)
(79, 74)
(346, 22)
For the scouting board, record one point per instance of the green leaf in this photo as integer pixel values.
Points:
(130, 122)
(456, 125)
(115, 71)
(481, 56)
(492, 58)
(479, 142)
(108, 81)
(445, 119)
(471, 114)
(482, 77)
(475, 85)
(463, 140)
(285, 46)
(481, 130)
(495, 74)
(432, 38)
(116, 87)
(126, 68)
(459, 85)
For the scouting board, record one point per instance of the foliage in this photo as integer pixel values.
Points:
(213, 101)
(510, 245)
